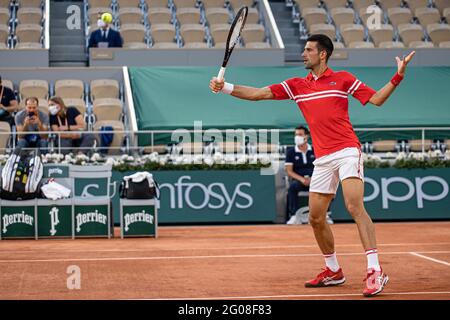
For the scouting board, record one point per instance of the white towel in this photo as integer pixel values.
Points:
(54, 191)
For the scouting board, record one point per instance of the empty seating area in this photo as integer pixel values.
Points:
(178, 23)
(22, 24)
(376, 24)
(412, 145)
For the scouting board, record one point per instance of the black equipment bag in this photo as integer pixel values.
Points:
(140, 185)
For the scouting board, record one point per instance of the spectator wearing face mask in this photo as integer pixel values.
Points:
(69, 122)
(299, 167)
(105, 36)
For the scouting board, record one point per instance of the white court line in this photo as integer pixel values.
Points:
(203, 257)
(301, 296)
(37, 250)
(429, 258)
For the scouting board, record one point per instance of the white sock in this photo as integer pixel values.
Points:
(331, 261)
(372, 259)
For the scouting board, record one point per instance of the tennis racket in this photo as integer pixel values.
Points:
(233, 38)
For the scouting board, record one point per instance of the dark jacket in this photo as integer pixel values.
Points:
(114, 39)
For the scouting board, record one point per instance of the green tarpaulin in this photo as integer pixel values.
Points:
(174, 97)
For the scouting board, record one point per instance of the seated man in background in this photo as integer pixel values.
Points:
(299, 167)
(69, 121)
(31, 119)
(8, 104)
(105, 36)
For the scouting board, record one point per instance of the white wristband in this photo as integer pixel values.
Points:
(227, 88)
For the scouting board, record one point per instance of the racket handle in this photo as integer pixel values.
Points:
(221, 73)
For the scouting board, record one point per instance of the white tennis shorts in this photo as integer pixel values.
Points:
(335, 167)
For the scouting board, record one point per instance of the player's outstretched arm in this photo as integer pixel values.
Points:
(383, 94)
(241, 92)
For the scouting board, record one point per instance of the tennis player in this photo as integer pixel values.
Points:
(322, 97)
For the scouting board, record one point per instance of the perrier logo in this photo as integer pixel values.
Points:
(137, 217)
(54, 220)
(88, 217)
(16, 218)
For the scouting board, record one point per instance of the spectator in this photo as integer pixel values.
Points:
(105, 36)
(8, 104)
(69, 121)
(299, 167)
(31, 119)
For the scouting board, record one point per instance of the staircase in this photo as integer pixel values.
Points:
(67, 47)
(288, 30)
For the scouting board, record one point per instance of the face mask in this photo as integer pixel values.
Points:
(299, 140)
(53, 110)
(100, 23)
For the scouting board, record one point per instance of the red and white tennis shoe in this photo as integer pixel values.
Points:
(375, 282)
(326, 278)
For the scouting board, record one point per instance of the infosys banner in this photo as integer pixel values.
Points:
(401, 194)
(211, 196)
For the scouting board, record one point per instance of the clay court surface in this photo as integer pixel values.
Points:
(227, 262)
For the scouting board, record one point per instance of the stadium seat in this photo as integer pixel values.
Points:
(267, 148)
(163, 32)
(427, 16)
(253, 15)
(421, 44)
(118, 136)
(446, 14)
(5, 131)
(314, 15)
(391, 44)
(230, 147)
(441, 4)
(165, 45)
(385, 32)
(159, 15)
(352, 32)
(444, 44)
(4, 33)
(219, 32)
(257, 45)
(29, 15)
(69, 88)
(335, 4)
(4, 3)
(99, 3)
(210, 4)
(107, 109)
(133, 32)
(307, 4)
(192, 148)
(399, 16)
(386, 4)
(361, 45)
(368, 15)
(3, 46)
(29, 33)
(94, 12)
(130, 16)
(343, 16)
(184, 3)
(188, 15)
(192, 33)
(323, 28)
(222, 45)
(385, 145)
(135, 45)
(253, 33)
(414, 4)
(4, 16)
(77, 103)
(29, 3)
(338, 45)
(217, 15)
(160, 148)
(362, 4)
(410, 32)
(28, 45)
(33, 88)
(129, 3)
(104, 88)
(438, 32)
(156, 4)
(196, 45)
(416, 145)
(240, 3)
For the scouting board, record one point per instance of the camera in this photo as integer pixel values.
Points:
(31, 114)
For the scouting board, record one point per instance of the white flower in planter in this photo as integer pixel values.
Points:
(96, 157)
(110, 161)
(390, 155)
(82, 158)
(198, 159)
(230, 159)
(218, 156)
(365, 156)
(265, 159)
(447, 155)
(187, 160)
(209, 161)
(401, 156)
(436, 153)
(242, 159)
(64, 162)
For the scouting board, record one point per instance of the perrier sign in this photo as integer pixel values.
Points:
(18, 222)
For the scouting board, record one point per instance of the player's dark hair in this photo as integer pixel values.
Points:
(305, 129)
(323, 43)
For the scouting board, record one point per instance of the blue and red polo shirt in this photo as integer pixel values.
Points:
(324, 104)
